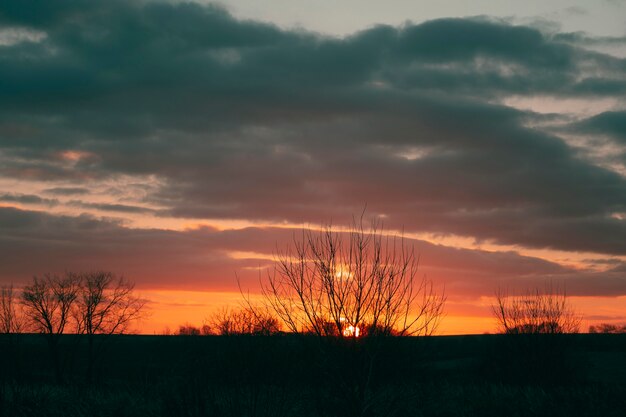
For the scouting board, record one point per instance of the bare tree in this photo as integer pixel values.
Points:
(98, 302)
(608, 328)
(536, 312)
(536, 347)
(351, 288)
(10, 319)
(47, 303)
(254, 321)
(105, 305)
(11, 322)
(188, 330)
(346, 283)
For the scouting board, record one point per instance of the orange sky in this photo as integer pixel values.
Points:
(191, 285)
(496, 146)
(170, 309)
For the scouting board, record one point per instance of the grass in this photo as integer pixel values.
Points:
(288, 376)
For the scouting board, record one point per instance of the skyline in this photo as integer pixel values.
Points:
(179, 144)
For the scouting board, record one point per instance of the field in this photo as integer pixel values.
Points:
(484, 375)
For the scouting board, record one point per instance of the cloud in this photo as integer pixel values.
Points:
(612, 123)
(122, 208)
(239, 119)
(32, 243)
(67, 191)
(27, 199)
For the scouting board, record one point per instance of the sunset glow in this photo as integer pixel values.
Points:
(188, 145)
(352, 331)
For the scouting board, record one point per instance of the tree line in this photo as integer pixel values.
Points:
(85, 303)
(356, 283)
(362, 283)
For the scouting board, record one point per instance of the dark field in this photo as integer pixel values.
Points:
(572, 375)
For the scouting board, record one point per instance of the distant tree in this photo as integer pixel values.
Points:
(337, 285)
(11, 321)
(363, 278)
(206, 330)
(228, 322)
(607, 328)
(536, 312)
(105, 305)
(93, 303)
(47, 304)
(535, 348)
(265, 324)
(188, 330)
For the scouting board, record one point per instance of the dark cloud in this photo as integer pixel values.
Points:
(612, 123)
(28, 199)
(583, 38)
(35, 242)
(239, 119)
(122, 208)
(64, 191)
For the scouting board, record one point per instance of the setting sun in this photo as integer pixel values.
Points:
(312, 208)
(351, 331)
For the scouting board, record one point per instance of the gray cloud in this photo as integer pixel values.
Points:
(35, 242)
(608, 123)
(583, 38)
(122, 208)
(239, 119)
(27, 199)
(64, 191)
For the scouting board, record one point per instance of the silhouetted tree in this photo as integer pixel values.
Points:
(337, 285)
(11, 321)
(363, 278)
(535, 347)
(105, 305)
(227, 322)
(99, 302)
(47, 304)
(188, 330)
(607, 328)
(536, 312)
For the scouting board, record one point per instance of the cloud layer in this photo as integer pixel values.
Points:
(207, 259)
(182, 111)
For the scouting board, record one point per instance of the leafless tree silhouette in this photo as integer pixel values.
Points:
(608, 328)
(351, 288)
(105, 305)
(93, 303)
(536, 347)
(346, 283)
(11, 321)
(255, 321)
(188, 330)
(47, 303)
(536, 312)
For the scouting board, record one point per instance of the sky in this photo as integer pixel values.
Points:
(180, 144)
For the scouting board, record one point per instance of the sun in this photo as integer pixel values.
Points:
(352, 331)
(348, 330)
(343, 272)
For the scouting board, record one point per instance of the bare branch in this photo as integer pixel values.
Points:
(536, 311)
(48, 301)
(353, 283)
(11, 321)
(106, 304)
